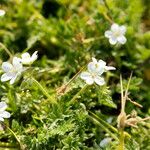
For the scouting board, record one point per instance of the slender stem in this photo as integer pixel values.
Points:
(75, 97)
(108, 18)
(6, 50)
(104, 128)
(64, 87)
(122, 97)
(107, 125)
(126, 92)
(13, 133)
(45, 92)
(121, 140)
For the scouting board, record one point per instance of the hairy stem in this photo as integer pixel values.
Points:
(45, 92)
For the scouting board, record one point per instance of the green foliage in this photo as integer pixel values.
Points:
(66, 35)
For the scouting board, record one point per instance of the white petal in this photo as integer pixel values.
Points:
(25, 55)
(6, 66)
(102, 63)
(1, 119)
(92, 67)
(122, 29)
(110, 68)
(17, 64)
(34, 56)
(114, 27)
(85, 75)
(113, 40)
(89, 81)
(13, 79)
(108, 34)
(4, 114)
(3, 106)
(122, 39)
(5, 77)
(94, 60)
(16, 61)
(105, 141)
(99, 80)
(2, 12)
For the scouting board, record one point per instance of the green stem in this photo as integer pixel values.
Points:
(45, 92)
(105, 128)
(13, 133)
(6, 50)
(121, 139)
(75, 97)
(107, 125)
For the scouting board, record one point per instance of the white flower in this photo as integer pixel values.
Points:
(2, 12)
(27, 59)
(105, 142)
(116, 34)
(99, 66)
(3, 113)
(95, 70)
(12, 71)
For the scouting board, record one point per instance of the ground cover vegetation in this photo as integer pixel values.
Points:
(75, 75)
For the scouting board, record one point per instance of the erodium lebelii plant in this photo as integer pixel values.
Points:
(94, 71)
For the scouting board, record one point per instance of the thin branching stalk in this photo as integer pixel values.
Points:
(76, 96)
(122, 116)
(44, 90)
(13, 133)
(107, 124)
(6, 50)
(104, 128)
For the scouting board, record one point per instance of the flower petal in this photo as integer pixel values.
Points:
(113, 40)
(122, 39)
(85, 75)
(34, 56)
(110, 68)
(4, 114)
(6, 66)
(114, 27)
(13, 79)
(6, 77)
(92, 67)
(2, 12)
(17, 63)
(122, 29)
(3, 106)
(105, 142)
(99, 80)
(1, 119)
(108, 34)
(89, 81)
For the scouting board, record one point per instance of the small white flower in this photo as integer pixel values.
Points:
(105, 142)
(99, 66)
(116, 34)
(95, 70)
(12, 71)
(27, 59)
(3, 113)
(2, 12)
(91, 77)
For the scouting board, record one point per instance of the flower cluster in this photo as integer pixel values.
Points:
(12, 71)
(3, 113)
(95, 70)
(116, 34)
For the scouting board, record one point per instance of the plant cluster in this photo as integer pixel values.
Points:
(61, 97)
